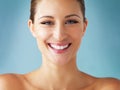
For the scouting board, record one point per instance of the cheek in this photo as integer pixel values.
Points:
(41, 37)
(41, 42)
(77, 33)
(41, 34)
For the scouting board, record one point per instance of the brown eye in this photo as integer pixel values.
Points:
(71, 22)
(47, 23)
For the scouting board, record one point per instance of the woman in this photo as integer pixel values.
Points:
(58, 26)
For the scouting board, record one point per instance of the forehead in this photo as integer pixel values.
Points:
(58, 7)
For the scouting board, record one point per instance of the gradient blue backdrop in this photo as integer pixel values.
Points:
(99, 54)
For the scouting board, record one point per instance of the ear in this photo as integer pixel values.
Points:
(31, 27)
(85, 26)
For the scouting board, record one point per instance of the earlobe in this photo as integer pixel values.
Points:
(31, 27)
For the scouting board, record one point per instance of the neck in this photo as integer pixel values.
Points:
(57, 77)
(59, 70)
(60, 74)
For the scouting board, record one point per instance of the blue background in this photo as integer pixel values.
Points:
(99, 54)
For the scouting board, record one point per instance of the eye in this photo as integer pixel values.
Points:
(71, 22)
(47, 23)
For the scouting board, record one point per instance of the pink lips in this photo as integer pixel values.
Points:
(59, 48)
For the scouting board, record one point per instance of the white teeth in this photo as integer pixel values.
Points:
(59, 47)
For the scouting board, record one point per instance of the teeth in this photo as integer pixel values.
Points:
(59, 47)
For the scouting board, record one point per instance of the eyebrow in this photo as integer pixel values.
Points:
(71, 15)
(46, 17)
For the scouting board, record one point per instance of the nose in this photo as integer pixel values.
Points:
(60, 33)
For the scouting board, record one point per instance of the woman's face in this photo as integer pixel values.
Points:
(58, 28)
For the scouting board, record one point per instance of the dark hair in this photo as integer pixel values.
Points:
(34, 4)
(82, 7)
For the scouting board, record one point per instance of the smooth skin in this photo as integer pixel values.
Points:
(59, 23)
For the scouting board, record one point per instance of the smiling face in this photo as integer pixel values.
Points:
(58, 28)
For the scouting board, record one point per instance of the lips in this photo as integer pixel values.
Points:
(59, 47)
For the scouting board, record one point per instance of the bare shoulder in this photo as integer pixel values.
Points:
(107, 84)
(10, 82)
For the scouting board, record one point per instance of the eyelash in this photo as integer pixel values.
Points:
(71, 22)
(47, 23)
(52, 23)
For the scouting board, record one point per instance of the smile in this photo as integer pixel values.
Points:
(59, 47)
